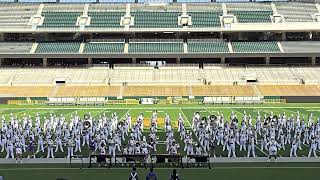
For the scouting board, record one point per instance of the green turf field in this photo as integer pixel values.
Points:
(235, 171)
(254, 171)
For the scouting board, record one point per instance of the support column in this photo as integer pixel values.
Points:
(240, 36)
(178, 60)
(45, 62)
(1, 37)
(134, 61)
(284, 36)
(46, 37)
(267, 60)
(313, 60)
(89, 61)
(223, 60)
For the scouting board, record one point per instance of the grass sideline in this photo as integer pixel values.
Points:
(264, 171)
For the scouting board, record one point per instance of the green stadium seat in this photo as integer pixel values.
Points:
(105, 19)
(104, 48)
(144, 19)
(252, 16)
(203, 47)
(60, 19)
(58, 47)
(156, 47)
(263, 46)
(205, 19)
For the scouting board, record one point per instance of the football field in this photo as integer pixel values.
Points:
(225, 171)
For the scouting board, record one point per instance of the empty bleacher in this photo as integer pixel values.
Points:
(155, 91)
(204, 46)
(156, 46)
(262, 46)
(289, 90)
(223, 90)
(250, 12)
(104, 47)
(82, 91)
(60, 19)
(25, 91)
(164, 75)
(204, 16)
(15, 47)
(155, 16)
(300, 46)
(297, 12)
(16, 15)
(61, 16)
(106, 16)
(58, 47)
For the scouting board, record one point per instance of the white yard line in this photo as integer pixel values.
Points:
(125, 114)
(185, 117)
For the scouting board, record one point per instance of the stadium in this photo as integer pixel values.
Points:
(212, 88)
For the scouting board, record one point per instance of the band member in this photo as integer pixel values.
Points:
(70, 145)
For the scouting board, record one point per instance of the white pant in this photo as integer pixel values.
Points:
(10, 152)
(312, 149)
(232, 148)
(85, 140)
(189, 150)
(112, 151)
(78, 146)
(50, 152)
(59, 145)
(251, 147)
(40, 147)
(293, 151)
(70, 152)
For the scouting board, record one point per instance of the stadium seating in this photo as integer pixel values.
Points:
(223, 90)
(60, 19)
(158, 46)
(204, 16)
(57, 47)
(106, 19)
(297, 12)
(300, 46)
(145, 19)
(205, 19)
(15, 47)
(289, 90)
(252, 16)
(155, 91)
(199, 46)
(108, 47)
(25, 91)
(250, 12)
(82, 91)
(263, 46)
(16, 15)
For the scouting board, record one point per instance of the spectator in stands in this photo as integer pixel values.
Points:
(174, 175)
(151, 175)
(134, 174)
